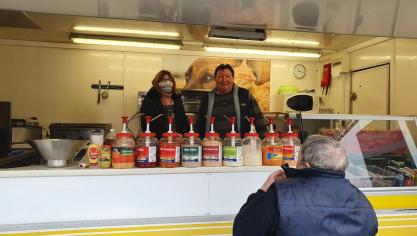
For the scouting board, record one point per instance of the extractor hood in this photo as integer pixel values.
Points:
(390, 18)
(58, 28)
(16, 19)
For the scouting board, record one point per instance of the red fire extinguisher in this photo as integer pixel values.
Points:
(327, 76)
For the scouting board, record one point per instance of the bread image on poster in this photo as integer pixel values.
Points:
(253, 75)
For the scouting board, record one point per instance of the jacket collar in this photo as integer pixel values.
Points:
(313, 172)
(236, 101)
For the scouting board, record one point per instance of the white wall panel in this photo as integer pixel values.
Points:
(141, 68)
(55, 84)
(229, 191)
(57, 199)
(371, 56)
(405, 82)
(281, 74)
(81, 198)
(400, 53)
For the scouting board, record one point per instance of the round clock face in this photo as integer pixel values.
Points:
(299, 71)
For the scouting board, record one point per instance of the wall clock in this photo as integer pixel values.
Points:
(299, 71)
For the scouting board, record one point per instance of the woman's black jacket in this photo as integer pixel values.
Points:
(152, 106)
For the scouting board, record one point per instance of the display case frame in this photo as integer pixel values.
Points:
(396, 197)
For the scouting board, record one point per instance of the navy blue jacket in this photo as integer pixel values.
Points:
(309, 202)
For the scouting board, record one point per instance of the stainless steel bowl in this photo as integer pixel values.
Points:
(58, 152)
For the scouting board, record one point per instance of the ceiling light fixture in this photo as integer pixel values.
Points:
(271, 40)
(95, 29)
(263, 52)
(291, 41)
(125, 42)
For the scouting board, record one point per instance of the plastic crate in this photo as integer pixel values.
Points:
(384, 178)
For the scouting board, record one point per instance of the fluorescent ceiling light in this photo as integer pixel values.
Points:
(94, 29)
(125, 43)
(262, 52)
(290, 41)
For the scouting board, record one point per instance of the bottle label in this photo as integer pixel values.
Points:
(109, 141)
(273, 153)
(212, 153)
(232, 154)
(296, 152)
(123, 154)
(177, 154)
(290, 153)
(93, 154)
(146, 154)
(105, 157)
(169, 153)
(191, 154)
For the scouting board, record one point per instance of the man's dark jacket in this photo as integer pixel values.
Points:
(152, 106)
(309, 202)
(248, 108)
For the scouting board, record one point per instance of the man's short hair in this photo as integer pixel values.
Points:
(222, 67)
(323, 152)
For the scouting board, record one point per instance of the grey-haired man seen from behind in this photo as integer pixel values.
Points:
(313, 199)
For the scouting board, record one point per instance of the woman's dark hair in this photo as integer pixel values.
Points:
(222, 67)
(158, 77)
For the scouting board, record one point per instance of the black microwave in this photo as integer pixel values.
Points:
(5, 127)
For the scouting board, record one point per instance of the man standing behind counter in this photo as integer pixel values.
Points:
(227, 99)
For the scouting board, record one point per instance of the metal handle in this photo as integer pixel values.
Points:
(353, 96)
(99, 91)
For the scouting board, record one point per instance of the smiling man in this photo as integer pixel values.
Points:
(227, 99)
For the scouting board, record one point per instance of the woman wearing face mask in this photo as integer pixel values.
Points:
(163, 99)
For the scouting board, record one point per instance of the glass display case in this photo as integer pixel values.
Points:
(381, 149)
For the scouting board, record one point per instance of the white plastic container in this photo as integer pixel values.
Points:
(146, 148)
(170, 148)
(291, 146)
(272, 150)
(123, 149)
(212, 147)
(271, 147)
(252, 147)
(191, 150)
(232, 147)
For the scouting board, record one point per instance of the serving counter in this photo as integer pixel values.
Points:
(382, 155)
(39, 195)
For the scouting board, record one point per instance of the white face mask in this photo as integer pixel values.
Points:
(166, 86)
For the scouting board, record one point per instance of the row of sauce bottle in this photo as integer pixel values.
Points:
(174, 150)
